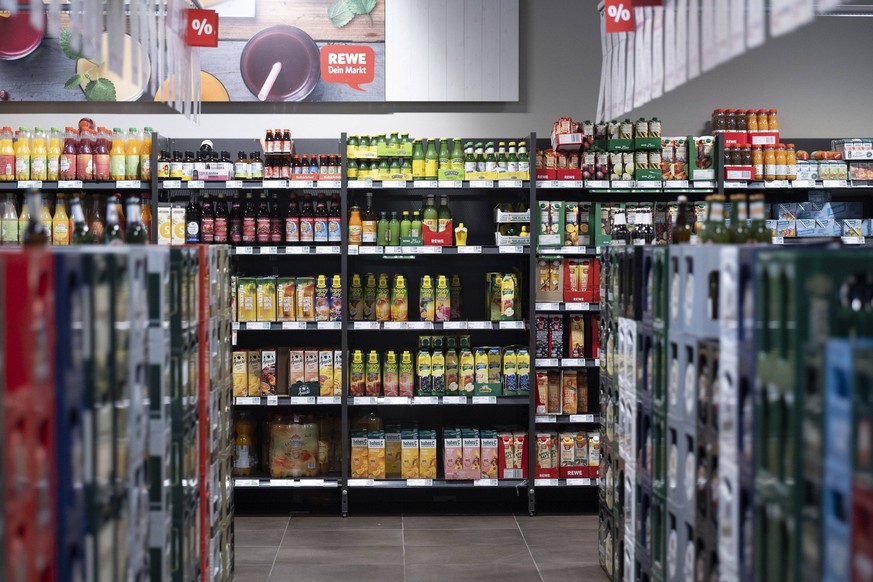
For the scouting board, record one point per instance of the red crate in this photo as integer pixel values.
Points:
(862, 531)
(204, 461)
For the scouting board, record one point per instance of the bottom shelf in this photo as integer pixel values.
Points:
(302, 483)
(446, 483)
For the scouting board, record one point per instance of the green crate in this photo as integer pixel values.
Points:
(659, 536)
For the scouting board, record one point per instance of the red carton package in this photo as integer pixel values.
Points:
(573, 455)
(581, 280)
(512, 460)
(547, 456)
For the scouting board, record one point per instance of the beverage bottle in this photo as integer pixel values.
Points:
(7, 155)
(445, 162)
(334, 220)
(739, 229)
(207, 221)
(292, 221)
(45, 216)
(114, 234)
(406, 168)
(175, 164)
(758, 229)
(368, 222)
(352, 169)
(523, 161)
(394, 168)
(415, 225)
(490, 158)
(117, 155)
(222, 230)
(393, 140)
(102, 161)
(320, 234)
(313, 165)
(681, 231)
(304, 165)
(85, 157)
(620, 234)
(457, 156)
(262, 221)
(39, 155)
(405, 225)
(277, 142)
(352, 147)
(22, 154)
(192, 221)
(256, 166)
(268, 142)
(145, 154)
(81, 232)
(235, 223)
(133, 150)
(136, 232)
(394, 229)
(384, 169)
(60, 224)
(444, 215)
(36, 233)
(512, 159)
(119, 208)
(704, 233)
(69, 155)
(23, 219)
(9, 222)
(502, 163)
(275, 221)
(307, 220)
(430, 215)
(287, 144)
(431, 161)
(147, 218)
(382, 229)
(355, 226)
(249, 222)
(644, 231)
(53, 159)
(417, 161)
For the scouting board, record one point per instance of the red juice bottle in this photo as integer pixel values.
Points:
(102, 148)
(69, 154)
(85, 157)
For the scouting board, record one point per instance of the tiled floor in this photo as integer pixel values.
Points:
(504, 548)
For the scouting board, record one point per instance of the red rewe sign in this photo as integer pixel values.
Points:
(350, 65)
(619, 15)
(201, 27)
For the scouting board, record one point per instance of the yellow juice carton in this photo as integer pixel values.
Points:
(409, 454)
(383, 299)
(322, 299)
(356, 374)
(452, 370)
(406, 380)
(370, 298)
(268, 372)
(336, 299)
(376, 454)
(523, 371)
(507, 298)
(427, 454)
(310, 365)
(438, 373)
(466, 372)
(481, 369)
(373, 375)
(296, 370)
(494, 365)
(240, 374)
(424, 374)
(399, 300)
(254, 373)
(510, 373)
(443, 304)
(393, 452)
(493, 284)
(390, 375)
(247, 299)
(286, 299)
(360, 454)
(267, 299)
(177, 219)
(356, 299)
(165, 225)
(325, 372)
(337, 373)
(426, 299)
(305, 299)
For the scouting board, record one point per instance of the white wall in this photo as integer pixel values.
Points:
(818, 77)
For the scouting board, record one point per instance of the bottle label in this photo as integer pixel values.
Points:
(96, 229)
(193, 228)
(22, 167)
(759, 171)
(292, 233)
(9, 231)
(235, 231)
(131, 167)
(7, 166)
(38, 167)
(306, 229)
(442, 224)
(101, 167)
(68, 166)
(52, 171)
(355, 234)
(175, 169)
(491, 166)
(417, 168)
(263, 227)
(430, 168)
(60, 233)
(275, 230)
(241, 170)
(320, 231)
(512, 166)
(368, 234)
(781, 170)
(249, 230)
(221, 230)
(241, 458)
(207, 230)
(145, 165)
(770, 169)
(470, 167)
(524, 167)
(116, 167)
(256, 170)
(334, 233)
(286, 146)
(85, 167)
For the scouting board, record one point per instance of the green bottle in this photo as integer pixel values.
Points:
(381, 141)
(704, 233)
(352, 147)
(480, 157)
(405, 225)
(406, 167)
(490, 158)
(81, 232)
(739, 229)
(501, 157)
(523, 160)
(394, 167)
(382, 229)
(431, 161)
(445, 160)
(393, 141)
(417, 161)
(759, 231)
(352, 169)
(512, 159)
(415, 225)
(394, 229)
(444, 215)
(404, 139)
(469, 159)
(384, 169)
(430, 215)
(364, 144)
(457, 163)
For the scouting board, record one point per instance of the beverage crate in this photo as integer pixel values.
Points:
(676, 282)
(158, 266)
(185, 563)
(627, 425)
(776, 538)
(660, 288)
(729, 508)
(605, 541)
(862, 529)
(837, 524)
(700, 276)
(680, 552)
(645, 367)
(160, 546)
(183, 295)
(627, 348)
(862, 411)
(736, 409)
(658, 373)
(682, 354)
(644, 451)
(643, 516)
(681, 471)
(708, 354)
(629, 508)
(649, 291)
(659, 454)
(659, 535)
(737, 298)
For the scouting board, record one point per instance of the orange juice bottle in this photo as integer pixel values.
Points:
(45, 216)
(132, 161)
(55, 146)
(39, 155)
(117, 159)
(22, 155)
(145, 154)
(60, 224)
(7, 155)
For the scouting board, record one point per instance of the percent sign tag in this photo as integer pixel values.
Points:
(619, 16)
(201, 28)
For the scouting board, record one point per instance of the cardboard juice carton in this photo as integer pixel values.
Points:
(296, 368)
(426, 298)
(427, 451)
(507, 298)
(569, 392)
(390, 375)
(360, 454)
(471, 454)
(165, 225)
(542, 392)
(442, 305)
(424, 373)
(337, 373)
(438, 373)
(481, 369)
(240, 374)
(356, 299)
(523, 371)
(406, 380)
(453, 457)
(286, 299)
(268, 372)
(409, 454)
(322, 299)
(254, 372)
(494, 365)
(325, 372)
(373, 375)
(489, 455)
(577, 336)
(247, 299)
(510, 373)
(305, 299)
(177, 221)
(310, 365)
(393, 454)
(466, 372)
(266, 300)
(357, 380)
(376, 454)
(336, 299)
(452, 372)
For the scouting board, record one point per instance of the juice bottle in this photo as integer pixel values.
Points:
(145, 154)
(69, 155)
(102, 149)
(55, 147)
(132, 160)
(7, 155)
(60, 224)
(23, 219)
(769, 163)
(45, 217)
(417, 160)
(8, 221)
(430, 215)
(146, 218)
(790, 162)
(431, 161)
(117, 155)
(39, 155)
(22, 155)
(781, 169)
(85, 157)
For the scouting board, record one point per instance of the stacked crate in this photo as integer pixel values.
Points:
(860, 506)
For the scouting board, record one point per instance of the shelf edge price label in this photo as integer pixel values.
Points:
(548, 307)
(293, 325)
(331, 250)
(122, 184)
(393, 250)
(328, 325)
(366, 250)
(258, 325)
(272, 400)
(233, 184)
(328, 399)
(365, 325)
(425, 184)
(192, 185)
(454, 400)
(269, 250)
(578, 306)
(394, 184)
(547, 418)
(481, 183)
(778, 240)
(300, 184)
(394, 325)
(448, 184)
(511, 249)
(274, 183)
(479, 325)
(296, 250)
(329, 184)
(419, 482)
(572, 362)
(547, 363)
(425, 400)
(306, 400)
(581, 418)
(243, 250)
(509, 183)
(484, 400)
(429, 250)
(578, 482)
(247, 400)
(485, 483)
(234, 325)
(596, 363)
(361, 483)
(455, 325)
(396, 400)
(172, 184)
(74, 184)
(364, 400)
(852, 240)
(419, 325)
(30, 184)
(246, 483)
(472, 250)
(545, 482)
(511, 325)
(834, 184)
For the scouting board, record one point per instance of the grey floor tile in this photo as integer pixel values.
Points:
(586, 572)
(330, 522)
(560, 537)
(472, 573)
(565, 555)
(460, 537)
(477, 522)
(260, 522)
(303, 537)
(252, 572)
(257, 537)
(337, 554)
(492, 555)
(558, 522)
(334, 572)
(254, 556)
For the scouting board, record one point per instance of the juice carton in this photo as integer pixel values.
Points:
(471, 454)
(466, 372)
(481, 369)
(393, 454)
(234, 291)
(266, 299)
(544, 217)
(426, 298)
(571, 224)
(356, 299)
(542, 336)
(336, 299)
(573, 454)
(376, 454)
(456, 292)
(177, 221)
(356, 374)
(268, 373)
(424, 373)
(542, 392)
(567, 449)
(240, 374)
(373, 378)
(409, 454)
(286, 299)
(568, 392)
(452, 372)
(310, 365)
(305, 299)
(510, 377)
(494, 365)
(322, 300)
(581, 392)
(489, 455)
(390, 379)
(493, 284)
(399, 300)
(556, 336)
(438, 373)
(254, 373)
(523, 371)
(360, 454)
(337, 373)
(453, 450)
(593, 455)
(165, 225)
(296, 368)
(554, 401)
(370, 298)
(383, 300)
(443, 300)
(507, 298)
(406, 383)
(427, 454)
(577, 336)
(325, 373)
(247, 299)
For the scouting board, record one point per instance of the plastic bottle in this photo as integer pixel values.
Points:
(45, 217)
(382, 229)
(85, 157)
(22, 155)
(39, 155)
(431, 162)
(145, 154)
(69, 155)
(405, 225)
(53, 161)
(60, 224)
(102, 149)
(23, 220)
(394, 229)
(8, 222)
(355, 227)
(146, 218)
(7, 155)
(117, 153)
(132, 159)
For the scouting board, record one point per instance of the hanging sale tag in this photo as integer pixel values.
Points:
(630, 71)
(201, 27)
(754, 23)
(642, 60)
(619, 16)
(657, 15)
(669, 45)
(737, 29)
(682, 48)
(693, 38)
(708, 56)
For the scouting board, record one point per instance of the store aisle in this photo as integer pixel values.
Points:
(504, 548)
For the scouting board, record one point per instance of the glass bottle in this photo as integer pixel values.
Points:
(81, 232)
(207, 221)
(355, 226)
(681, 231)
(758, 230)
(523, 161)
(275, 221)
(394, 229)
(790, 162)
(262, 220)
(431, 161)
(235, 222)
(60, 223)
(769, 163)
(70, 155)
(114, 234)
(36, 233)
(292, 221)
(7, 155)
(222, 232)
(9, 222)
(382, 233)
(739, 229)
(307, 220)
(256, 166)
(405, 225)
(368, 222)
(415, 225)
(781, 167)
(268, 142)
(147, 218)
(620, 233)
(763, 120)
(319, 233)
(501, 156)
(241, 168)
(352, 147)
(334, 220)
(192, 221)
(490, 158)
(444, 215)
(470, 165)
(773, 120)
(39, 155)
(751, 120)
(249, 222)
(85, 157)
(22, 154)
(136, 232)
(145, 154)
(430, 215)
(176, 166)
(758, 162)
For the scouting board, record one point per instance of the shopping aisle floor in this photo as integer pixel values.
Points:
(498, 548)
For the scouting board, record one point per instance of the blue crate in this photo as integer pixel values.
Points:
(676, 287)
(700, 276)
(839, 393)
(682, 379)
(680, 552)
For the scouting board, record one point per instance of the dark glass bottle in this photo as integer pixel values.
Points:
(320, 223)
(334, 220)
(262, 222)
(292, 221)
(275, 221)
(36, 233)
(192, 222)
(113, 234)
(620, 234)
(221, 222)
(235, 223)
(249, 225)
(681, 233)
(307, 220)
(81, 232)
(136, 232)
(207, 221)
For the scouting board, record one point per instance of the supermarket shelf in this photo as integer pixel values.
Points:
(565, 483)
(286, 325)
(568, 362)
(253, 482)
(628, 185)
(138, 185)
(858, 241)
(442, 483)
(250, 184)
(410, 252)
(287, 400)
(436, 184)
(585, 251)
(287, 250)
(430, 326)
(800, 185)
(572, 307)
(438, 400)
(567, 419)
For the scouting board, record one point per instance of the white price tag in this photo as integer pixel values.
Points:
(454, 325)
(293, 325)
(803, 184)
(377, 250)
(330, 250)
(419, 482)
(370, 325)
(547, 363)
(328, 400)
(548, 418)
(622, 184)
(233, 337)
(269, 250)
(425, 400)
(233, 184)
(394, 325)
(676, 184)
(545, 482)
(419, 325)
(192, 185)
(137, 184)
(485, 482)
(394, 184)
(354, 250)
(596, 362)
(473, 250)
(329, 325)
(577, 306)
(597, 184)
(258, 325)
(777, 184)
(425, 184)
(778, 240)
(509, 183)
(581, 418)
(572, 250)
(243, 250)
(329, 184)
(578, 482)
(834, 184)
(272, 400)
(282, 483)
(246, 483)
(247, 401)
(454, 400)
(361, 483)
(396, 400)
(298, 250)
(300, 184)
(481, 183)
(364, 400)
(304, 400)
(479, 325)
(65, 184)
(368, 183)
(449, 184)
(511, 249)
(852, 240)
(393, 250)
(548, 306)
(511, 325)
(314, 483)
(172, 184)
(484, 400)
(572, 362)
(547, 184)
(649, 184)
(30, 184)
(735, 184)
(274, 184)
(570, 183)
(234, 325)
(430, 250)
